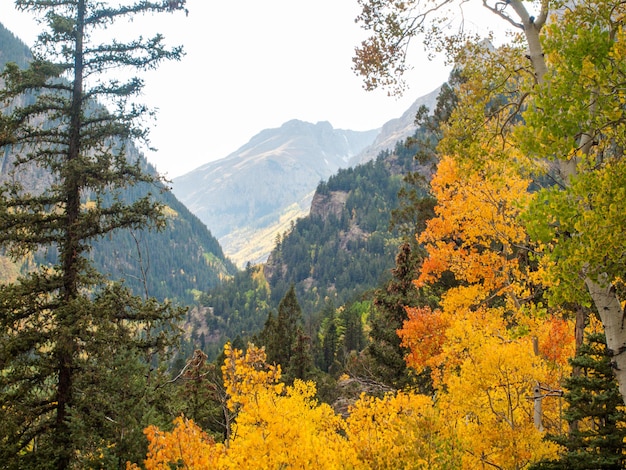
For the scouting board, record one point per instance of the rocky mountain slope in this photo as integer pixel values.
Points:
(255, 193)
(397, 129)
(267, 183)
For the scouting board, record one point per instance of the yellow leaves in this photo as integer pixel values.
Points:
(246, 375)
(484, 417)
(168, 212)
(481, 344)
(289, 430)
(276, 426)
(399, 431)
(279, 426)
(486, 382)
(476, 229)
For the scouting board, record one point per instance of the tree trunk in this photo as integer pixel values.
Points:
(70, 253)
(612, 316)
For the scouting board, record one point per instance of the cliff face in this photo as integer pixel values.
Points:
(333, 203)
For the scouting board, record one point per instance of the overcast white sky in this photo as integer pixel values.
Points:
(252, 65)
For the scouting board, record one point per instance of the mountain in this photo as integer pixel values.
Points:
(267, 182)
(345, 246)
(397, 129)
(333, 256)
(12, 49)
(175, 263)
(255, 193)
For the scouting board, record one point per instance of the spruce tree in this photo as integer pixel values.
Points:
(389, 314)
(74, 346)
(595, 413)
(285, 341)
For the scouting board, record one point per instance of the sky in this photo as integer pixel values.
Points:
(252, 65)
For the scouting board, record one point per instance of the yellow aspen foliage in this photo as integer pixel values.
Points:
(290, 430)
(275, 427)
(489, 395)
(489, 346)
(401, 431)
(476, 229)
(246, 375)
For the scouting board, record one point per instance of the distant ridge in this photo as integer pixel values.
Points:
(397, 129)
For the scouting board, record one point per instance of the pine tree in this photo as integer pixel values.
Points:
(74, 347)
(596, 414)
(388, 317)
(285, 341)
(301, 361)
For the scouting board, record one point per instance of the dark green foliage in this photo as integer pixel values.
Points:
(285, 341)
(596, 413)
(301, 360)
(389, 315)
(341, 334)
(279, 332)
(174, 263)
(238, 307)
(201, 394)
(76, 350)
(329, 341)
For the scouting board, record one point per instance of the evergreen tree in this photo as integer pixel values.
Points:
(288, 319)
(329, 338)
(301, 361)
(75, 348)
(285, 341)
(596, 414)
(388, 317)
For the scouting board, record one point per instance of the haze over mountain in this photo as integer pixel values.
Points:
(255, 193)
(397, 129)
(268, 180)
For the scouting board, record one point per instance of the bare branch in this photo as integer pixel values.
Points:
(498, 9)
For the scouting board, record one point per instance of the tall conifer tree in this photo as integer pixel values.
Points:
(72, 382)
(596, 413)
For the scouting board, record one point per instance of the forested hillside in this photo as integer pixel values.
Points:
(12, 49)
(345, 246)
(342, 249)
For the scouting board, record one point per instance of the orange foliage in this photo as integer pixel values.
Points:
(187, 446)
(423, 333)
(476, 229)
(555, 340)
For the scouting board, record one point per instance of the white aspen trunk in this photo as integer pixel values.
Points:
(612, 316)
(537, 411)
(532, 27)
